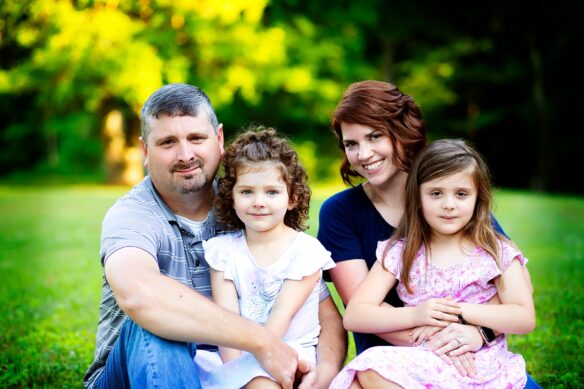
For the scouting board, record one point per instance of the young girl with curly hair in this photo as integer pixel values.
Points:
(266, 269)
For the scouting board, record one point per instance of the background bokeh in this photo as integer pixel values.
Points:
(74, 74)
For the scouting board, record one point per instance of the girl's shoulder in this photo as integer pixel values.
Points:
(306, 256)
(509, 252)
(219, 249)
(393, 246)
(389, 253)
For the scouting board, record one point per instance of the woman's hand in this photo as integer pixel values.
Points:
(437, 312)
(456, 339)
(464, 363)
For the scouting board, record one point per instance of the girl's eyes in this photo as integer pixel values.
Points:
(435, 193)
(461, 194)
(248, 192)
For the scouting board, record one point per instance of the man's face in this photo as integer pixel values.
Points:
(182, 153)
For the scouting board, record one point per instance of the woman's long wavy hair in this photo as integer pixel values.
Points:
(440, 159)
(383, 107)
(250, 150)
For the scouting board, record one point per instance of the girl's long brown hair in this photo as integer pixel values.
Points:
(383, 107)
(439, 159)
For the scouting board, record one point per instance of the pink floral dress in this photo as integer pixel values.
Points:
(418, 367)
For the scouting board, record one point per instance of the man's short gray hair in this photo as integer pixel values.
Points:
(176, 100)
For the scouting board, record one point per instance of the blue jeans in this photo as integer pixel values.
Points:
(140, 359)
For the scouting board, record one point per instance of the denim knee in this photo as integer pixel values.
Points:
(141, 359)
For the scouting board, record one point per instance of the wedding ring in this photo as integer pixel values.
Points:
(458, 342)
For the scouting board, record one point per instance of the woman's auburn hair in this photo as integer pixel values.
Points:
(383, 107)
(440, 159)
(255, 147)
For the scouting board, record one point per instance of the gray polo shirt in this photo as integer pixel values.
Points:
(141, 219)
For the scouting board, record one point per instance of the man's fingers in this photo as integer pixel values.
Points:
(304, 366)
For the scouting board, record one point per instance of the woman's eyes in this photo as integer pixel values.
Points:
(349, 145)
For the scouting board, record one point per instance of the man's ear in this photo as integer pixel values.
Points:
(144, 147)
(221, 138)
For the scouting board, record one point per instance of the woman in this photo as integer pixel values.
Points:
(380, 130)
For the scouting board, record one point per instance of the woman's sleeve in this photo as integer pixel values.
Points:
(336, 232)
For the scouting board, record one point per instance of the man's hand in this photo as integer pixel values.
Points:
(279, 359)
(306, 375)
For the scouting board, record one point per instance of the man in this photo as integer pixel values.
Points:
(155, 309)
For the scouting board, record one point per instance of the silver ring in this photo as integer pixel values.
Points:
(458, 342)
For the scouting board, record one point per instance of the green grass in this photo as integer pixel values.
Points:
(50, 281)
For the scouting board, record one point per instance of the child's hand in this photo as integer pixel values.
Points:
(419, 335)
(437, 312)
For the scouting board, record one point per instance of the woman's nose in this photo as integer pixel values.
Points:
(364, 152)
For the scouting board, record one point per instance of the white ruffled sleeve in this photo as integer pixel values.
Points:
(214, 254)
(307, 256)
(393, 259)
(219, 251)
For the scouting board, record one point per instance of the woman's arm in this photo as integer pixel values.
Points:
(515, 314)
(292, 296)
(346, 277)
(225, 295)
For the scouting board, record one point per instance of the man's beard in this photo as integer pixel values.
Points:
(191, 183)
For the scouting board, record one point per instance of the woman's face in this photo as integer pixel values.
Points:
(370, 153)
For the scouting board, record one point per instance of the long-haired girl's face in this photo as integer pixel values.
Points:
(260, 196)
(448, 202)
(370, 152)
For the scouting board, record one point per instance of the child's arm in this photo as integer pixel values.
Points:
(225, 295)
(515, 314)
(367, 312)
(293, 295)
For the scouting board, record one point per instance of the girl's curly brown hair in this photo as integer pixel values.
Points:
(257, 145)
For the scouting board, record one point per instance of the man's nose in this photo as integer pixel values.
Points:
(185, 152)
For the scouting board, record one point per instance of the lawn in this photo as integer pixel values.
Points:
(51, 279)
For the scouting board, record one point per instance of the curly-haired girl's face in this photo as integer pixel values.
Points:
(260, 198)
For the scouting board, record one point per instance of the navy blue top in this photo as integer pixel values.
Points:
(350, 228)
